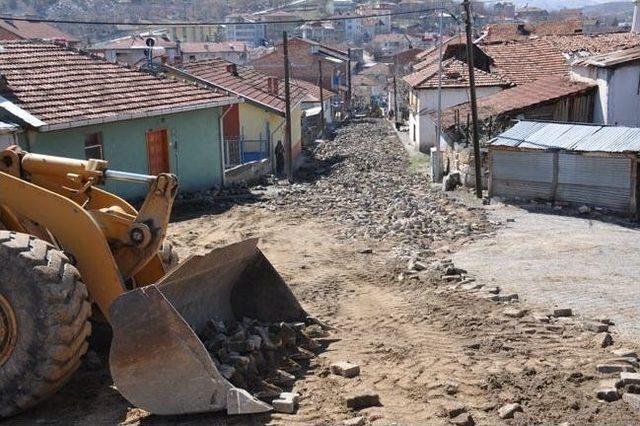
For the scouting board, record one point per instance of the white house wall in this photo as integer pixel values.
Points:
(425, 127)
(624, 96)
(617, 101)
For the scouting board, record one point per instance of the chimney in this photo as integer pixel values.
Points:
(232, 69)
(635, 27)
(272, 85)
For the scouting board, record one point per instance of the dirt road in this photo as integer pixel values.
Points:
(420, 343)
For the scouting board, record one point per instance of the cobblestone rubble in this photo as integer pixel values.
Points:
(362, 179)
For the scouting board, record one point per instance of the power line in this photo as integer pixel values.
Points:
(218, 23)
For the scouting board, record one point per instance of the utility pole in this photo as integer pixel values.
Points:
(349, 93)
(321, 99)
(395, 100)
(287, 99)
(472, 91)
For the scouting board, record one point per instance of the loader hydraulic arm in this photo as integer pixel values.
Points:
(65, 207)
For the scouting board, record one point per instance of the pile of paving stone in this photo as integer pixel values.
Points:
(261, 357)
(362, 179)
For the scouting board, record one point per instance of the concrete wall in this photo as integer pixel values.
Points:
(247, 173)
(194, 148)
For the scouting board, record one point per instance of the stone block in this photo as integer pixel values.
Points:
(345, 369)
(507, 411)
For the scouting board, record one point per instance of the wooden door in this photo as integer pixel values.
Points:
(158, 151)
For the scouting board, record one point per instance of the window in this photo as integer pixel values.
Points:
(93, 146)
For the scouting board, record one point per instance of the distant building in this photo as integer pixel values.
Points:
(386, 44)
(192, 33)
(304, 56)
(233, 51)
(133, 50)
(348, 28)
(532, 14)
(504, 10)
(11, 29)
(279, 21)
(251, 31)
(320, 31)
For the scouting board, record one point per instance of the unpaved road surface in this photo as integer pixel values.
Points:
(582, 263)
(420, 342)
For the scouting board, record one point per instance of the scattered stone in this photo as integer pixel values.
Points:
(544, 318)
(451, 387)
(492, 290)
(633, 400)
(583, 209)
(507, 411)
(608, 394)
(563, 312)
(418, 266)
(603, 340)
(508, 297)
(359, 400)
(345, 369)
(282, 378)
(366, 251)
(471, 286)
(614, 368)
(515, 312)
(596, 327)
(630, 378)
(286, 403)
(463, 419)
(452, 408)
(625, 353)
(356, 421)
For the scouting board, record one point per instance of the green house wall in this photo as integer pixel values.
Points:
(194, 148)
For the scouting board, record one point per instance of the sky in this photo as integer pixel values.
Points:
(559, 4)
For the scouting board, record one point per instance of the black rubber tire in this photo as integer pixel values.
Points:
(52, 312)
(168, 256)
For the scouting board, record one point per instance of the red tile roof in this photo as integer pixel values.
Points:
(455, 74)
(520, 98)
(60, 85)
(513, 31)
(594, 44)
(35, 30)
(247, 83)
(527, 61)
(313, 91)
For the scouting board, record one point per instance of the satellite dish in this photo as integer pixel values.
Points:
(150, 42)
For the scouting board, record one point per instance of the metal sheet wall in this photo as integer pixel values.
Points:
(600, 181)
(521, 174)
(606, 181)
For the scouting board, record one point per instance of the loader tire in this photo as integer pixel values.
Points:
(44, 321)
(168, 256)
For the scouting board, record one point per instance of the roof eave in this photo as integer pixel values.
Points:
(132, 116)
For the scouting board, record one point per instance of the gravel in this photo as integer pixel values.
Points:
(363, 179)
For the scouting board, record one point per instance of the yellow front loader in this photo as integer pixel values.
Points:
(71, 252)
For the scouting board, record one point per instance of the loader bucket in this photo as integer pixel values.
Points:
(157, 361)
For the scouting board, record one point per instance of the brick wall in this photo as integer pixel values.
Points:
(304, 65)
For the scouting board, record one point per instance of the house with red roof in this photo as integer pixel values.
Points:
(74, 104)
(13, 29)
(255, 129)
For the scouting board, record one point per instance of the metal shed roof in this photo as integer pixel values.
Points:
(570, 137)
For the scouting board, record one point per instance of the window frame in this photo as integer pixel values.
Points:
(93, 144)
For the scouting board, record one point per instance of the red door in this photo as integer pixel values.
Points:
(158, 151)
(231, 123)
